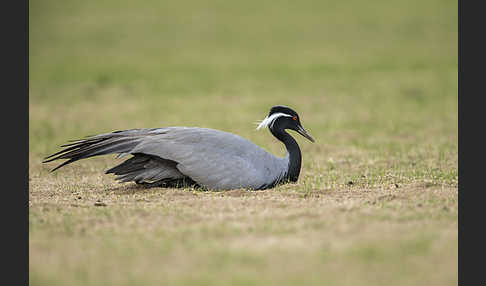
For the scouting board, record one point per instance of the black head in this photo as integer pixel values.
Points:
(283, 117)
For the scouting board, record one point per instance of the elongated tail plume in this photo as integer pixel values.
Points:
(94, 146)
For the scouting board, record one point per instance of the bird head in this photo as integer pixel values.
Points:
(283, 117)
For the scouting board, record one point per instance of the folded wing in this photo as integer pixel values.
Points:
(212, 158)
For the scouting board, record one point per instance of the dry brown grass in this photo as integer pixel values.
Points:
(374, 82)
(346, 236)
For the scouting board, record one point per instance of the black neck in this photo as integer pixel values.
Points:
(295, 157)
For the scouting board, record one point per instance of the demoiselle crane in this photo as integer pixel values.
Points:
(208, 158)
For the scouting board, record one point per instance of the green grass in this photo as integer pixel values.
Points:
(375, 83)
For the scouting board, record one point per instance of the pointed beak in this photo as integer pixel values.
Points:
(304, 133)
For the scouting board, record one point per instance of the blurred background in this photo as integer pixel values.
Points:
(374, 82)
(355, 71)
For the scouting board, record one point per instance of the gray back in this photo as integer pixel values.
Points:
(213, 158)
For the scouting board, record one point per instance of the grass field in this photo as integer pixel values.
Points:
(375, 83)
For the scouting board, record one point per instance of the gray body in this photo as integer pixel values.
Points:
(182, 156)
(213, 159)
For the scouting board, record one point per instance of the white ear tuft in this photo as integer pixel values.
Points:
(270, 119)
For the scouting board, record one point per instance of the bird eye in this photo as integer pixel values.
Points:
(294, 118)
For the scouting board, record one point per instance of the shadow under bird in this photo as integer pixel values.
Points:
(208, 158)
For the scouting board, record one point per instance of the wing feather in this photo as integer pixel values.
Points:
(215, 159)
(212, 158)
